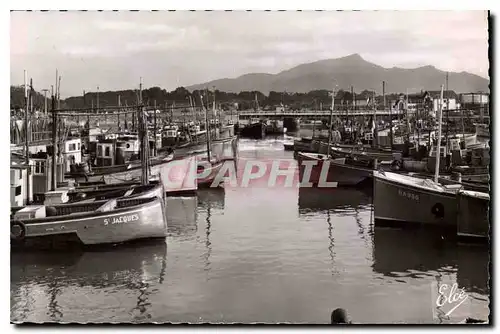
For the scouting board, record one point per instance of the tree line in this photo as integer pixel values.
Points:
(180, 98)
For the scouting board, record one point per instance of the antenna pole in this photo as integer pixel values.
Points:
(331, 124)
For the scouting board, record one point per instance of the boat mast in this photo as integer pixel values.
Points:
(417, 124)
(143, 135)
(154, 130)
(447, 111)
(213, 109)
(57, 87)
(54, 143)
(119, 109)
(314, 118)
(375, 132)
(390, 115)
(26, 135)
(331, 124)
(206, 126)
(347, 114)
(26, 104)
(407, 112)
(438, 151)
(462, 119)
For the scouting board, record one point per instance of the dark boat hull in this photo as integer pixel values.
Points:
(255, 131)
(473, 215)
(304, 146)
(398, 202)
(341, 174)
(209, 177)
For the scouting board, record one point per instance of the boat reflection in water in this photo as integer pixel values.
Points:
(182, 215)
(211, 202)
(342, 208)
(39, 279)
(340, 200)
(213, 198)
(418, 253)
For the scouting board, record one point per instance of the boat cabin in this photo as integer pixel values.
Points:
(106, 153)
(368, 136)
(171, 133)
(40, 177)
(72, 152)
(18, 184)
(194, 129)
(445, 159)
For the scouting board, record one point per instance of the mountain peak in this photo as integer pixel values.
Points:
(354, 56)
(354, 59)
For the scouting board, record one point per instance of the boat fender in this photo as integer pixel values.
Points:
(51, 211)
(438, 210)
(17, 230)
(396, 165)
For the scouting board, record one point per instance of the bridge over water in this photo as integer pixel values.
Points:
(272, 114)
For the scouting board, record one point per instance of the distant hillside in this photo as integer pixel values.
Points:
(304, 86)
(349, 71)
(17, 99)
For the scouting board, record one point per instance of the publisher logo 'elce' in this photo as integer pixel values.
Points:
(449, 300)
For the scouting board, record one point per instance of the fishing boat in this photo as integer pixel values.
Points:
(255, 129)
(402, 198)
(416, 199)
(101, 192)
(170, 135)
(408, 199)
(178, 175)
(82, 171)
(304, 144)
(207, 173)
(464, 183)
(482, 130)
(275, 127)
(208, 169)
(218, 147)
(88, 223)
(336, 171)
(363, 153)
(97, 223)
(343, 169)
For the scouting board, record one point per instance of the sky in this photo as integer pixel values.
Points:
(113, 50)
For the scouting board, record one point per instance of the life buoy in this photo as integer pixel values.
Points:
(438, 210)
(17, 230)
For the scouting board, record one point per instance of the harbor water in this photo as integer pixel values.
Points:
(257, 254)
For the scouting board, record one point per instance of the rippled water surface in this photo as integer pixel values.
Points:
(257, 255)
